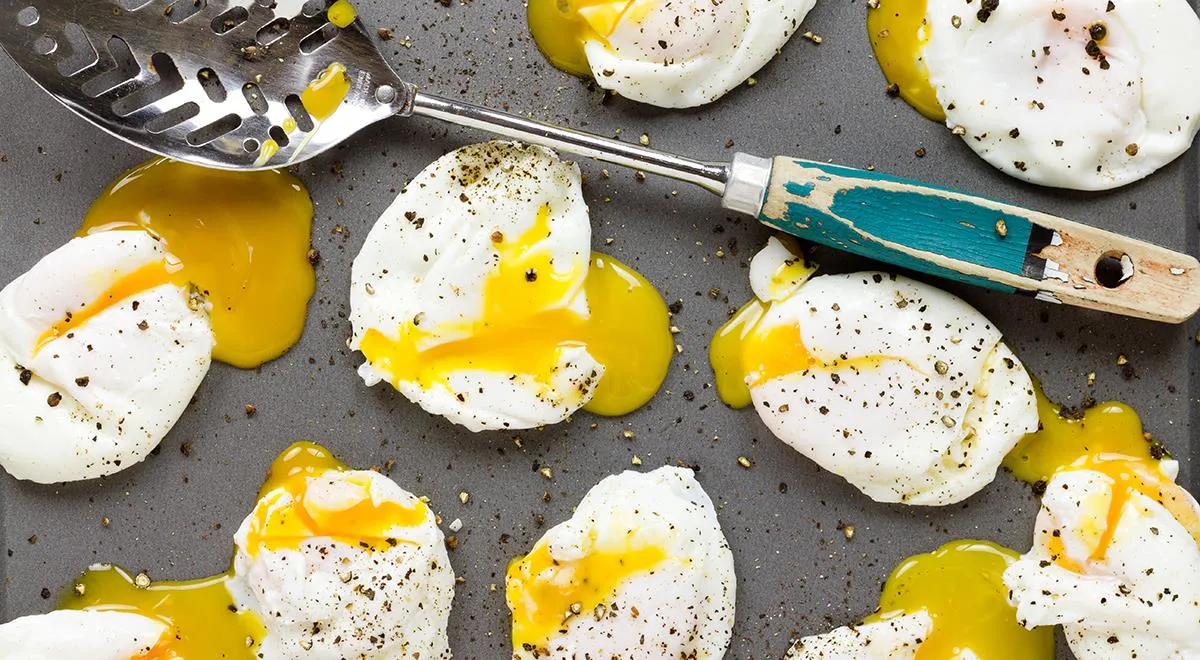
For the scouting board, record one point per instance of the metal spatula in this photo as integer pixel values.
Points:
(220, 83)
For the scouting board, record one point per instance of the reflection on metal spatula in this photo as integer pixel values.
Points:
(240, 85)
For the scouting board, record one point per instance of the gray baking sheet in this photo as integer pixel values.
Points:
(174, 515)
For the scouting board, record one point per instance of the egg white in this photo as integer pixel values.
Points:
(898, 638)
(138, 382)
(429, 254)
(329, 599)
(1142, 599)
(895, 428)
(1036, 105)
(685, 607)
(78, 633)
(685, 53)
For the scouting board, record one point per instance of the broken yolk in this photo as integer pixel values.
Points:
(342, 13)
(898, 33)
(1109, 428)
(201, 617)
(324, 95)
(286, 516)
(545, 593)
(960, 586)
(561, 27)
(527, 322)
(241, 238)
(150, 276)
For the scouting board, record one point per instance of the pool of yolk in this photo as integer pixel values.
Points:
(341, 13)
(325, 94)
(545, 593)
(202, 619)
(1109, 428)
(242, 238)
(561, 27)
(960, 586)
(898, 34)
(525, 325)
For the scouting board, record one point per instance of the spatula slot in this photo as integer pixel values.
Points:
(28, 17)
(295, 106)
(83, 54)
(45, 45)
(125, 68)
(313, 8)
(230, 20)
(221, 127)
(181, 10)
(254, 98)
(172, 118)
(279, 135)
(318, 38)
(133, 5)
(272, 32)
(169, 82)
(210, 82)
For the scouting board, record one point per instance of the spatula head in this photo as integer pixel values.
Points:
(219, 83)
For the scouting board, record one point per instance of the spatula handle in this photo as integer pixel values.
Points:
(981, 241)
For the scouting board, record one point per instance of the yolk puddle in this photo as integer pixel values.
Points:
(898, 34)
(960, 586)
(242, 238)
(545, 594)
(1063, 439)
(147, 277)
(202, 620)
(561, 27)
(525, 325)
(342, 13)
(324, 95)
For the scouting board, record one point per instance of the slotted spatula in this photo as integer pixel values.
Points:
(220, 83)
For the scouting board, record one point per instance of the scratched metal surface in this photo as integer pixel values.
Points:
(174, 515)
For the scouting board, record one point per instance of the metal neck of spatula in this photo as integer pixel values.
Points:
(741, 184)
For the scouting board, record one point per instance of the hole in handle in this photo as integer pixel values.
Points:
(1113, 269)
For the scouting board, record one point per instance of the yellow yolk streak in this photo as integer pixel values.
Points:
(1060, 441)
(324, 95)
(362, 522)
(525, 326)
(544, 593)
(898, 34)
(242, 238)
(960, 585)
(342, 13)
(561, 27)
(145, 278)
(202, 620)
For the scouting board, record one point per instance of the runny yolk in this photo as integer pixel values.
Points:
(149, 276)
(526, 324)
(286, 516)
(242, 238)
(324, 95)
(202, 619)
(544, 594)
(960, 585)
(561, 27)
(898, 33)
(342, 13)
(1110, 428)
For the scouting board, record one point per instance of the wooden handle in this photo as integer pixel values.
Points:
(984, 242)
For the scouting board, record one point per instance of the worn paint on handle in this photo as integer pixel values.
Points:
(975, 240)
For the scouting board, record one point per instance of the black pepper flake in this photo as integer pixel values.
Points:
(1092, 48)
(1111, 6)
(1014, 133)
(83, 381)
(25, 376)
(143, 326)
(531, 275)
(53, 400)
(1020, 165)
(45, 593)
(1057, 15)
(1098, 31)
(892, 90)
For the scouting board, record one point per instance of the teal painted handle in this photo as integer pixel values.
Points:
(980, 241)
